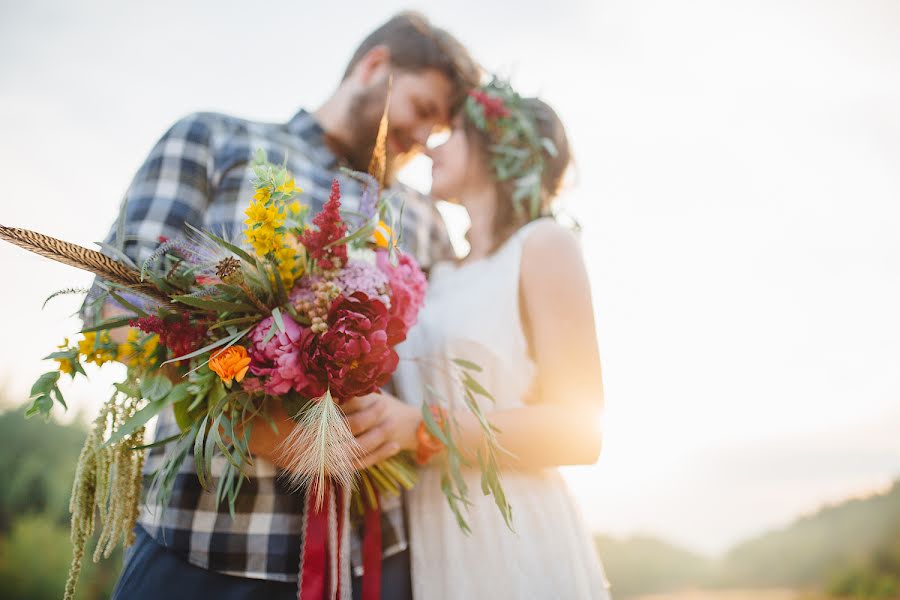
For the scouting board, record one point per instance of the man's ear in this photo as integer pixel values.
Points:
(372, 64)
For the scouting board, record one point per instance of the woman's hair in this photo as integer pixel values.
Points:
(507, 220)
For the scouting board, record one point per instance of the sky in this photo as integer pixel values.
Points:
(737, 180)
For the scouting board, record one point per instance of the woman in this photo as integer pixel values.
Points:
(518, 305)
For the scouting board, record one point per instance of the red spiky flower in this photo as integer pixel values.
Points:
(331, 228)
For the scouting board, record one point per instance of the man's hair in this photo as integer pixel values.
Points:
(415, 45)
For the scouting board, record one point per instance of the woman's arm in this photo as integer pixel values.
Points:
(562, 426)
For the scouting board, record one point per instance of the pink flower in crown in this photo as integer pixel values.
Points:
(276, 362)
(493, 107)
(408, 286)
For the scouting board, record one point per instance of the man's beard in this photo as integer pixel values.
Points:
(366, 110)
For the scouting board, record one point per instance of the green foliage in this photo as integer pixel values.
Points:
(851, 549)
(644, 565)
(818, 545)
(34, 561)
(37, 465)
(864, 582)
(44, 391)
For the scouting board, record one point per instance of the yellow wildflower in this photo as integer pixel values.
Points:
(286, 260)
(65, 364)
(263, 193)
(261, 224)
(288, 187)
(136, 353)
(97, 349)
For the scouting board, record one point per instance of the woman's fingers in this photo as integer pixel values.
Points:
(363, 421)
(383, 452)
(358, 403)
(372, 439)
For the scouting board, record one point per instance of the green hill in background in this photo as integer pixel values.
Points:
(851, 549)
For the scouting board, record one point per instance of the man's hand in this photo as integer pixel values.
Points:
(382, 424)
(266, 443)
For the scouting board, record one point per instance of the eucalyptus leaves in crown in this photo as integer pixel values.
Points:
(517, 147)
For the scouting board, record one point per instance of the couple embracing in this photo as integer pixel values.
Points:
(518, 304)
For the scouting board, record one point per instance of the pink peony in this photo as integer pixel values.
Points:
(277, 362)
(408, 286)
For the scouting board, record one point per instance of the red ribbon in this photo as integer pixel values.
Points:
(371, 550)
(318, 555)
(313, 579)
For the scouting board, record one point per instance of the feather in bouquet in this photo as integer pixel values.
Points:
(306, 313)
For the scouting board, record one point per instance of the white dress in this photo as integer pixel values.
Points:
(472, 312)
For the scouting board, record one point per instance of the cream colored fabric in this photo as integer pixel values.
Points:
(472, 312)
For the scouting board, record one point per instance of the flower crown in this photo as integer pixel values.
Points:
(517, 148)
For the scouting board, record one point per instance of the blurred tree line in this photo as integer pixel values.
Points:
(37, 466)
(850, 550)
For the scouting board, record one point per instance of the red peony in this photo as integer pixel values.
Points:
(408, 286)
(331, 228)
(356, 355)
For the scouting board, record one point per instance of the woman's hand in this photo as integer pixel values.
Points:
(382, 424)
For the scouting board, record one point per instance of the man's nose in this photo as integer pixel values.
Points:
(422, 133)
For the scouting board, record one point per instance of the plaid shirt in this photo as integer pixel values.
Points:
(199, 173)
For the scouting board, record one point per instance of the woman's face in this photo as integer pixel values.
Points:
(453, 169)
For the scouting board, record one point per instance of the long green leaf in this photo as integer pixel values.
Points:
(231, 339)
(228, 246)
(466, 364)
(110, 323)
(213, 305)
(140, 418)
(118, 298)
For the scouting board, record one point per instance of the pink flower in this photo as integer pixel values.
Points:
(277, 362)
(408, 286)
(360, 276)
(494, 107)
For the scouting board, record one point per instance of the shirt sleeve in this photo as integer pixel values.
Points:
(171, 189)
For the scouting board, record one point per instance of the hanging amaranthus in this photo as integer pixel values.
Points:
(108, 480)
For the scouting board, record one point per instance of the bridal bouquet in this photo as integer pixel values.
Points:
(302, 312)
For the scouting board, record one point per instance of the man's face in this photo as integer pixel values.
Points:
(420, 104)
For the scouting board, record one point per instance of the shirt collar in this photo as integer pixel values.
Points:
(305, 126)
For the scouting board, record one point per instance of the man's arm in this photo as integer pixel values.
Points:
(170, 189)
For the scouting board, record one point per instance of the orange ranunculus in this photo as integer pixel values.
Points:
(231, 363)
(383, 236)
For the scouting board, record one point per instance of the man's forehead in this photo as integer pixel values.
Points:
(433, 86)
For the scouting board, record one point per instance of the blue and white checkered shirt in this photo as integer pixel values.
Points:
(199, 173)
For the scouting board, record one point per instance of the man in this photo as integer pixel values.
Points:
(198, 173)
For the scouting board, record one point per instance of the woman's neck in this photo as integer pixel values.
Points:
(481, 206)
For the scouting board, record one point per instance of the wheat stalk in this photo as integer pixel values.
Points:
(378, 163)
(80, 257)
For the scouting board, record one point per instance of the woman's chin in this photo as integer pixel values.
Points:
(439, 193)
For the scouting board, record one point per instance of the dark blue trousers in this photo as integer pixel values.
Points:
(152, 572)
